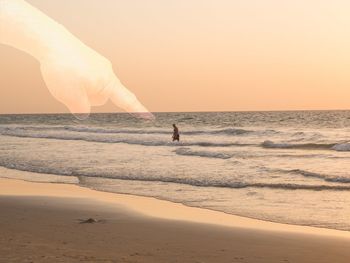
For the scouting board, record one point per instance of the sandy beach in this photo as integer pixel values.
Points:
(41, 222)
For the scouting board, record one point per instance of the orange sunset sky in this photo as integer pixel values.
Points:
(201, 55)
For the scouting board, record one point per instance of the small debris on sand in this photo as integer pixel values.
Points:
(88, 221)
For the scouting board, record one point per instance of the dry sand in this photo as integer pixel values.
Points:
(39, 222)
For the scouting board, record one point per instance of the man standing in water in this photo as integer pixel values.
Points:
(176, 135)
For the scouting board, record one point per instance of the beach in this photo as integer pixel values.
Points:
(174, 131)
(285, 167)
(42, 222)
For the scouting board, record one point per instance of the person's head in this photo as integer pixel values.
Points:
(174, 125)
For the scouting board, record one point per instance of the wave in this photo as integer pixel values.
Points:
(104, 139)
(342, 147)
(327, 178)
(99, 138)
(83, 129)
(307, 134)
(208, 154)
(180, 180)
(304, 146)
(234, 185)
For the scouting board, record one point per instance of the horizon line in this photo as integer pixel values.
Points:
(203, 111)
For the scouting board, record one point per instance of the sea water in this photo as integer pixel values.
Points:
(289, 167)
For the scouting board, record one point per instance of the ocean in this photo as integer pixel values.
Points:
(290, 167)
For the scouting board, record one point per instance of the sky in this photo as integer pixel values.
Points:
(200, 55)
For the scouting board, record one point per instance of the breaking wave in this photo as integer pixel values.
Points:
(327, 178)
(304, 146)
(180, 180)
(82, 129)
(135, 141)
(342, 147)
(208, 154)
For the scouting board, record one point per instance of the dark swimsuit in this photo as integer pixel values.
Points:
(176, 135)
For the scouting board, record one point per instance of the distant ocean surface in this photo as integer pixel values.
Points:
(288, 167)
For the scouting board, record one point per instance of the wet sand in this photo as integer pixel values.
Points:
(40, 222)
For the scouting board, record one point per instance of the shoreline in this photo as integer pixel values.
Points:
(154, 207)
(41, 222)
(229, 219)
